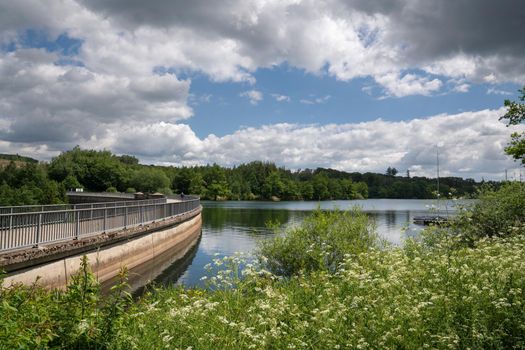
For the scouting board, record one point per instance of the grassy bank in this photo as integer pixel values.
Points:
(329, 283)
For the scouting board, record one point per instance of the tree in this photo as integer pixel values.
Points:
(516, 115)
(391, 171)
(149, 180)
(320, 185)
(128, 160)
(96, 170)
(197, 184)
(273, 186)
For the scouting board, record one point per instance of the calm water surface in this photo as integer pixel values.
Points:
(236, 226)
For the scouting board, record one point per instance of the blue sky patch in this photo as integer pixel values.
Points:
(63, 44)
(221, 109)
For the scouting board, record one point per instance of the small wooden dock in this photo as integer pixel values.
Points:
(427, 220)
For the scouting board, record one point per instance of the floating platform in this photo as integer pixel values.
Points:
(427, 220)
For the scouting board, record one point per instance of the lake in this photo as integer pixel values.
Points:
(236, 226)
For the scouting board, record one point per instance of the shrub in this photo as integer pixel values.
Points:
(496, 213)
(319, 243)
(78, 318)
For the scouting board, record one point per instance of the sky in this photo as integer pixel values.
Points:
(354, 85)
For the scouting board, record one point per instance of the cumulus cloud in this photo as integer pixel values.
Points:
(120, 86)
(471, 145)
(44, 102)
(409, 84)
(346, 39)
(253, 95)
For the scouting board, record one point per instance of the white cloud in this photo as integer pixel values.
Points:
(408, 84)
(471, 145)
(41, 101)
(461, 88)
(281, 98)
(253, 95)
(346, 39)
(494, 91)
(315, 100)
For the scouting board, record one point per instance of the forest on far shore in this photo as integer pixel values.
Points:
(27, 182)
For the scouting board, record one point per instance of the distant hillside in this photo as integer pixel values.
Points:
(18, 157)
(19, 160)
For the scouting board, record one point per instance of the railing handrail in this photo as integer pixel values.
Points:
(73, 206)
(87, 194)
(123, 195)
(142, 204)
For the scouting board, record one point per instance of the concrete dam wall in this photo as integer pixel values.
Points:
(52, 265)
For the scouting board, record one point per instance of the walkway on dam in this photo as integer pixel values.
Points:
(32, 226)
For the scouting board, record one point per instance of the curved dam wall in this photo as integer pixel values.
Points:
(107, 255)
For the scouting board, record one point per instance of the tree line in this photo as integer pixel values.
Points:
(45, 183)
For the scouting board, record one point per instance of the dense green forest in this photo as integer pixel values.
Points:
(46, 183)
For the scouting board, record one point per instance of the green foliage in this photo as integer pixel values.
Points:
(391, 171)
(71, 182)
(28, 184)
(128, 160)
(95, 170)
(165, 190)
(498, 212)
(320, 243)
(26, 321)
(342, 290)
(78, 318)
(516, 115)
(146, 179)
(397, 298)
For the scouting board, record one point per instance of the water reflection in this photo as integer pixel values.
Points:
(162, 269)
(230, 227)
(217, 218)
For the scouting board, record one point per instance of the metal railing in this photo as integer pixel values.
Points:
(45, 224)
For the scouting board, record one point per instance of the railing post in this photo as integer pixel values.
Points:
(141, 214)
(77, 226)
(105, 219)
(125, 217)
(38, 228)
(11, 221)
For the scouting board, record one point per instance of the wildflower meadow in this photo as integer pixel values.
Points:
(329, 283)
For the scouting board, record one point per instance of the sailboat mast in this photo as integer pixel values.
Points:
(437, 162)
